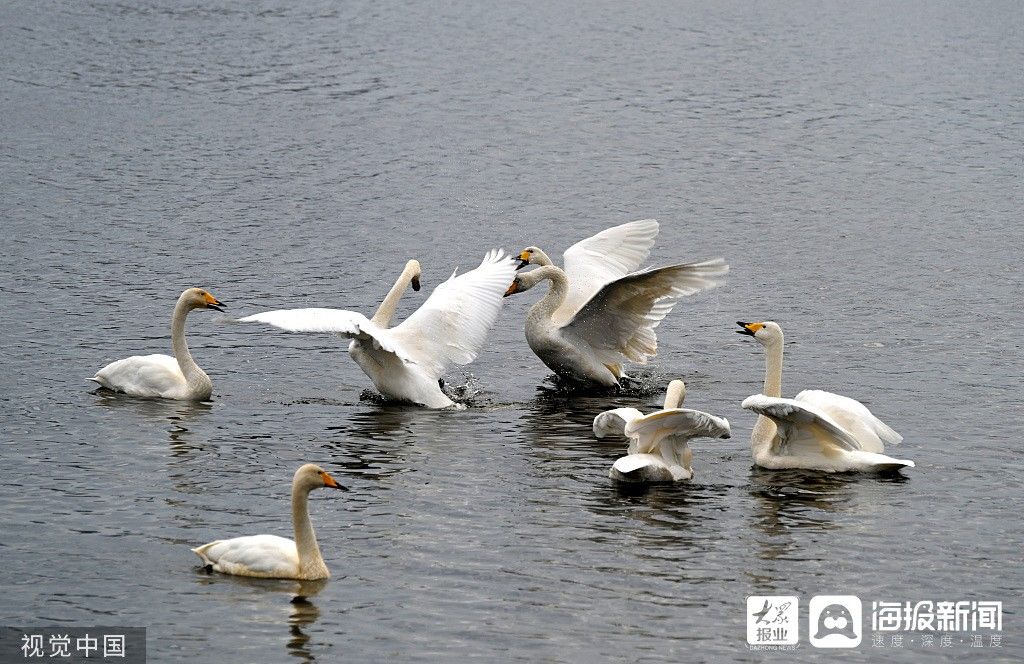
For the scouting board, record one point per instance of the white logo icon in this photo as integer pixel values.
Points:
(772, 620)
(835, 621)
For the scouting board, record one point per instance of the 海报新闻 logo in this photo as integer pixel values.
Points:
(835, 621)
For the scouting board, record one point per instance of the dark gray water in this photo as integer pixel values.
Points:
(858, 165)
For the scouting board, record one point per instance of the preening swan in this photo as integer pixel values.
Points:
(600, 311)
(658, 443)
(817, 430)
(406, 362)
(177, 377)
(270, 556)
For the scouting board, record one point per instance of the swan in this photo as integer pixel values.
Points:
(163, 376)
(406, 362)
(270, 556)
(601, 310)
(817, 430)
(658, 443)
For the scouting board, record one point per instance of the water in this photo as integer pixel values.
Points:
(858, 166)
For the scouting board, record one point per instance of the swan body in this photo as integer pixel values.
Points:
(816, 430)
(270, 556)
(659, 448)
(406, 362)
(601, 310)
(163, 376)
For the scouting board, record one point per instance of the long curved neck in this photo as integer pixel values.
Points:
(545, 308)
(189, 368)
(773, 370)
(310, 560)
(675, 394)
(764, 429)
(387, 307)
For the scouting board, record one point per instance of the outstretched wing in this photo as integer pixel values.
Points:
(613, 422)
(646, 432)
(618, 322)
(452, 325)
(348, 324)
(590, 264)
(802, 428)
(853, 416)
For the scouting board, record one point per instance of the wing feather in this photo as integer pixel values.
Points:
(597, 260)
(646, 432)
(452, 325)
(348, 324)
(619, 321)
(803, 425)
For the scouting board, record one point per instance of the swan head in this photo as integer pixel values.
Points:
(524, 281)
(200, 298)
(767, 333)
(412, 268)
(312, 476)
(532, 256)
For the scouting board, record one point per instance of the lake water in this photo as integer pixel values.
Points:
(858, 165)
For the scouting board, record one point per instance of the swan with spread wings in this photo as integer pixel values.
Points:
(406, 362)
(601, 309)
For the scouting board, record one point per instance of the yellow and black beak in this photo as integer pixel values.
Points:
(524, 260)
(416, 283)
(513, 289)
(750, 329)
(330, 483)
(213, 303)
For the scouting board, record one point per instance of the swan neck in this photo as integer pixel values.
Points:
(764, 429)
(310, 560)
(193, 374)
(546, 307)
(675, 395)
(389, 305)
(773, 371)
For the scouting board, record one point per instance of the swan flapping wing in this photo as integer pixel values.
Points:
(613, 253)
(349, 324)
(852, 415)
(646, 432)
(619, 320)
(613, 422)
(802, 427)
(452, 325)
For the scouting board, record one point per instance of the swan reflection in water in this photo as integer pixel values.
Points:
(269, 594)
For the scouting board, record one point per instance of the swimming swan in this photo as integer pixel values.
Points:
(406, 362)
(600, 311)
(270, 556)
(817, 430)
(163, 376)
(658, 443)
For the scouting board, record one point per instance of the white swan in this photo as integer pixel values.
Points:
(658, 443)
(177, 377)
(406, 362)
(600, 311)
(270, 556)
(817, 430)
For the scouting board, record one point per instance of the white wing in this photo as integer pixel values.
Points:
(618, 322)
(142, 375)
(646, 432)
(853, 416)
(267, 556)
(803, 429)
(613, 422)
(452, 325)
(348, 324)
(590, 264)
